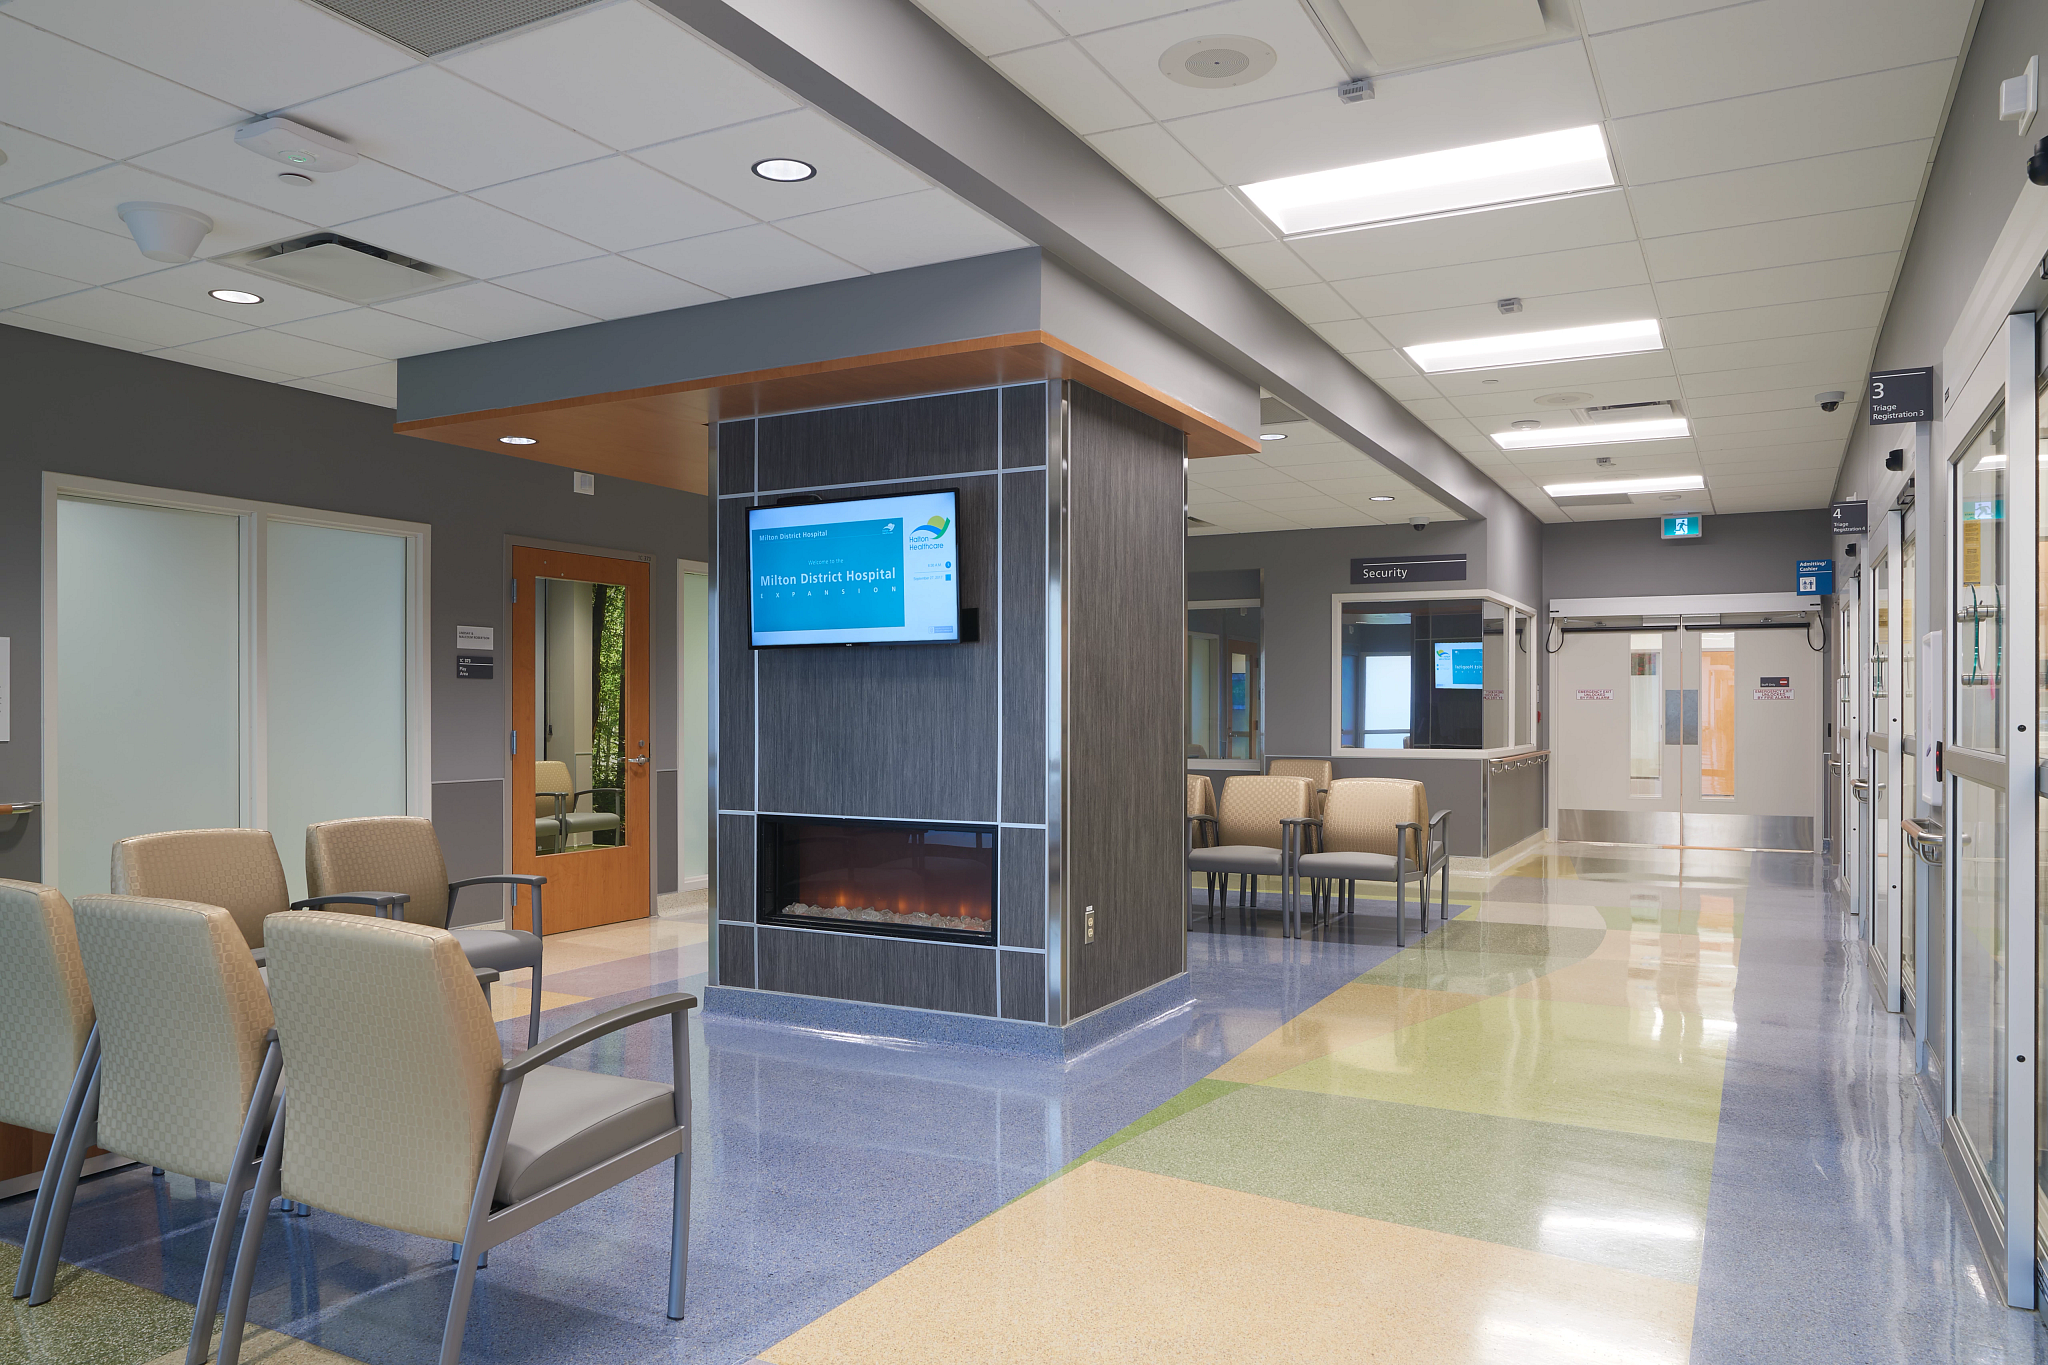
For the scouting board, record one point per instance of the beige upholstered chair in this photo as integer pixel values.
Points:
(48, 1043)
(1201, 824)
(555, 817)
(401, 854)
(235, 869)
(1317, 770)
(1258, 828)
(1373, 829)
(188, 1065)
(450, 1141)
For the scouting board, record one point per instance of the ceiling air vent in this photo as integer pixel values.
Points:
(1629, 412)
(1596, 500)
(330, 264)
(432, 29)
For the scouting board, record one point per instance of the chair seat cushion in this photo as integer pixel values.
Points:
(569, 1121)
(1236, 858)
(588, 821)
(505, 949)
(1370, 867)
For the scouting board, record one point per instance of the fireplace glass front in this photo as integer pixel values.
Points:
(879, 877)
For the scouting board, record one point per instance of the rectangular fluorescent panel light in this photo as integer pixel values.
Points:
(1537, 348)
(1485, 175)
(1606, 433)
(1673, 483)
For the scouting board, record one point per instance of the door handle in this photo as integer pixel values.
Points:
(641, 759)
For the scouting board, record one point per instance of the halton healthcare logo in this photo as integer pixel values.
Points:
(932, 530)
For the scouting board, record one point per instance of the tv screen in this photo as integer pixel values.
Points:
(866, 571)
(1461, 665)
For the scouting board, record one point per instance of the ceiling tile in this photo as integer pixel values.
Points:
(1712, 444)
(102, 310)
(1539, 313)
(214, 362)
(214, 161)
(1767, 44)
(381, 380)
(721, 164)
(1153, 160)
(609, 287)
(1753, 289)
(334, 390)
(1813, 376)
(1408, 390)
(56, 247)
(1553, 272)
(186, 286)
(1071, 87)
(19, 285)
(1492, 235)
(1313, 302)
(472, 237)
(65, 329)
(1804, 423)
(1218, 218)
(1603, 15)
(1354, 334)
(1783, 125)
(1430, 409)
(90, 200)
(1789, 189)
(1834, 349)
(278, 351)
(1802, 458)
(1494, 406)
(616, 203)
(34, 160)
(909, 230)
(623, 74)
(1790, 241)
(377, 333)
(1086, 16)
(1380, 364)
(1270, 265)
(1775, 320)
(1131, 55)
(1754, 401)
(1532, 91)
(437, 125)
(487, 311)
(259, 54)
(73, 94)
(748, 260)
(990, 26)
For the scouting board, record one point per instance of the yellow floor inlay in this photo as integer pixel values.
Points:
(1108, 1264)
(1355, 1014)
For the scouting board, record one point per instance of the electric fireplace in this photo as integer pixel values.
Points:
(894, 878)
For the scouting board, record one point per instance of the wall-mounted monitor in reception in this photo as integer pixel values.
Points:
(865, 571)
(1461, 665)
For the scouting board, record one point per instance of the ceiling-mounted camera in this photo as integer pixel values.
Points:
(1419, 523)
(2037, 164)
(1830, 400)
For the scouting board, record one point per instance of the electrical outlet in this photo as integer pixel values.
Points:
(1088, 925)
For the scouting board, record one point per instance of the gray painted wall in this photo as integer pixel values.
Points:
(1746, 552)
(89, 410)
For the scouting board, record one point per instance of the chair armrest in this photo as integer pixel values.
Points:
(590, 1030)
(1307, 822)
(515, 879)
(1195, 830)
(592, 791)
(1439, 818)
(386, 903)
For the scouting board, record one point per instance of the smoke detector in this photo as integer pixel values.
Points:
(331, 264)
(1217, 61)
(1563, 400)
(296, 145)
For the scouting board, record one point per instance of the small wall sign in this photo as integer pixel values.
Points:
(1901, 396)
(1409, 569)
(1816, 577)
(1685, 527)
(1848, 518)
(1596, 694)
(475, 639)
(1774, 694)
(476, 665)
(1773, 682)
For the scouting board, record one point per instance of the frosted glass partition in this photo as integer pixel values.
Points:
(696, 737)
(149, 648)
(335, 617)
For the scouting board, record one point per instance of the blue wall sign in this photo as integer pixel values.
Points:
(1686, 527)
(1816, 577)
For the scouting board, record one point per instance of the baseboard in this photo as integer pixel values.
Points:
(1504, 859)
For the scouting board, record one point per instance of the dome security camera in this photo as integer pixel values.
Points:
(1830, 400)
(1419, 523)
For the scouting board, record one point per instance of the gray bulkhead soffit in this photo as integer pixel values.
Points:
(890, 72)
(432, 27)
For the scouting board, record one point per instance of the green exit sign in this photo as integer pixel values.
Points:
(1686, 527)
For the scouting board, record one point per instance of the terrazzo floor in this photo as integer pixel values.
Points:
(1629, 1105)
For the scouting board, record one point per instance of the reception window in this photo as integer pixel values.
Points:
(1434, 673)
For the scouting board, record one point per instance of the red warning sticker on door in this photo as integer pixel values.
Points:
(1596, 694)
(1774, 694)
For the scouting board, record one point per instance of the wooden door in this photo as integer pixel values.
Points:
(582, 785)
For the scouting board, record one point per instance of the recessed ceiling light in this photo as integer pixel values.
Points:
(1484, 175)
(234, 296)
(517, 441)
(1272, 436)
(1606, 433)
(784, 169)
(1672, 483)
(1538, 348)
(1382, 497)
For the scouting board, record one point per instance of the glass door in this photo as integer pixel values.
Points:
(1882, 922)
(1907, 749)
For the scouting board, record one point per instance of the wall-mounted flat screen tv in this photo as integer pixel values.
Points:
(1461, 665)
(864, 571)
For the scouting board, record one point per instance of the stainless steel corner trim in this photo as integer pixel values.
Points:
(712, 805)
(1057, 941)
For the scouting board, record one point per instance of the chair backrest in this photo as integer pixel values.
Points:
(45, 1006)
(183, 1016)
(1201, 795)
(235, 869)
(1316, 770)
(391, 1070)
(1361, 813)
(552, 775)
(380, 853)
(1253, 808)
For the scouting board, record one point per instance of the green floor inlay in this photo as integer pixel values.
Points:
(1188, 1100)
(93, 1319)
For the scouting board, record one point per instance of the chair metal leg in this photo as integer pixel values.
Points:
(240, 1177)
(1444, 915)
(83, 1132)
(679, 1229)
(1400, 910)
(60, 1143)
(533, 1010)
(267, 1178)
